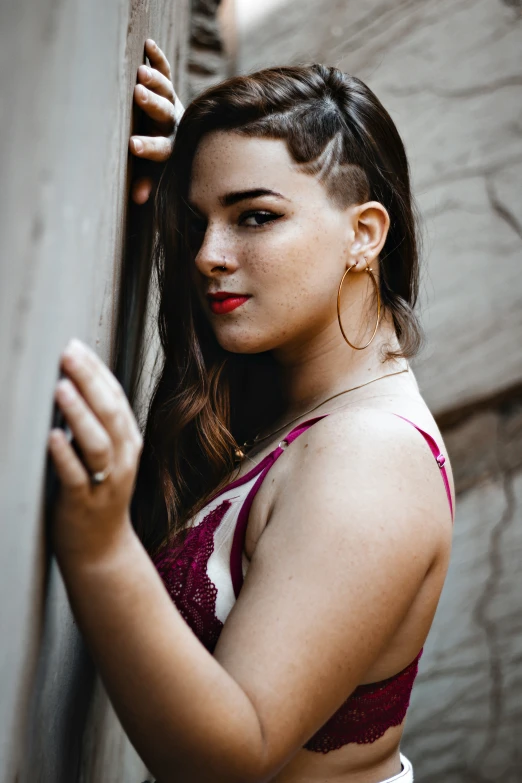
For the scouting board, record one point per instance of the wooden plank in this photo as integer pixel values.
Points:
(69, 70)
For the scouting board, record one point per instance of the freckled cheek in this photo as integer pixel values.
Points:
(274, 280)
(279, 260)
(291, 270)
(284, 295)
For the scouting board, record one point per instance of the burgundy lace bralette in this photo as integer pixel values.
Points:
(370, 709)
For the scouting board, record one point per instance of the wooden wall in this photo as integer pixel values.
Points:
(68, 72)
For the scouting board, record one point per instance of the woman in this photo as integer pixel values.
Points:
(292, 491)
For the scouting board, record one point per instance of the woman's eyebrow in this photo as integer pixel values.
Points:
(241, 195)
(229, 199)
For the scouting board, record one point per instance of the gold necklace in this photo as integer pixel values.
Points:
(240, 454)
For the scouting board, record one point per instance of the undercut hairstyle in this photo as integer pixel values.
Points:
(208, 400)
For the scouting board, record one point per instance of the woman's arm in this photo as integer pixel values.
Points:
(347, 548)
(187, 717)
(155, 94)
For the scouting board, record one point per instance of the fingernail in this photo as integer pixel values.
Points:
(65, 391)
(143, 93)
(138, 145)
(71, 347)
(147, 72)
(55, 437)
(75, 346)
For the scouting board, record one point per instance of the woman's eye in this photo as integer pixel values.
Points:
(257, 219)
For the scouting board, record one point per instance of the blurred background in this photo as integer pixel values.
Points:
(74, 260)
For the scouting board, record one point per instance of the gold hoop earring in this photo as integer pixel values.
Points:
(376, 286)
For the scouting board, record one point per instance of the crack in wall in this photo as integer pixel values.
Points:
(489, 593)
(456, 174)
(400, 14)
(473, 91)
(502, 210)
(452, 205)
(516, 4)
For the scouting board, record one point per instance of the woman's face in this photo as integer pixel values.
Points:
(283, 244)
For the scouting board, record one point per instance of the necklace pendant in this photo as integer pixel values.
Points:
(239, 454)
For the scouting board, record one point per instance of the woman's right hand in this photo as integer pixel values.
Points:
(155, 94)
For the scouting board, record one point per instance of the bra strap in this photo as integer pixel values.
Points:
(439, 456)
(238, 541)
(236, 553)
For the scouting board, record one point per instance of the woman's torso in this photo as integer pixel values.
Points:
(356, 761)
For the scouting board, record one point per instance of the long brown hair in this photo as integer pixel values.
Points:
(206, 400)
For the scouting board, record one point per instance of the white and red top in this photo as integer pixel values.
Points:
(203, 571)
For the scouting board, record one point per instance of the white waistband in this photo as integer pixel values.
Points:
(405, 775)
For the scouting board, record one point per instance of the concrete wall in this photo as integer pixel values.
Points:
(466, 714)
(450, 74)
(68, 68)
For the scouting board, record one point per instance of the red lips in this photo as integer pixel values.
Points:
(224, 302)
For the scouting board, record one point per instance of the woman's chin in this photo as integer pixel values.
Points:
(244, 343)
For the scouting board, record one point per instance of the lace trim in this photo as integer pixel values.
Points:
(362, 718)
(183, 569)
(368, 713)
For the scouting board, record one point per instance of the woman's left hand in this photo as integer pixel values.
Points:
(155, 95)
(90, 518)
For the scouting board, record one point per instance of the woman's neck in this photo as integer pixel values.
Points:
(326, 364)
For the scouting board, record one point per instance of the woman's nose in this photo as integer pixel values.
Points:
(215, 254)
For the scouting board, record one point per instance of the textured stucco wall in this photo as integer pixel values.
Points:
(466, 714)
(450, 74)
(68, 68)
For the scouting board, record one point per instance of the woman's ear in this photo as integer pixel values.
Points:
(370, 224)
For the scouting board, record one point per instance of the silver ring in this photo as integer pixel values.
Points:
(100, 476)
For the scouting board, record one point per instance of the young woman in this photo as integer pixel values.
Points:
(258, 614)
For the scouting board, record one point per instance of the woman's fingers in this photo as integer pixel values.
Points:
(155, 81)
(155, 94)
(76, 348)
(178, 109)
(156, 58)
(141, 190)
(156, 148)
(68, 466)
(158, 108)
(87, 431)
(159, 80)
(101, 392)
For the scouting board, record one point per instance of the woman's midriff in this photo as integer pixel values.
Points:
(353, 763)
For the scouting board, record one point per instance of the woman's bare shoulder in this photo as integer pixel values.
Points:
(367, 457)
(374, 432)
